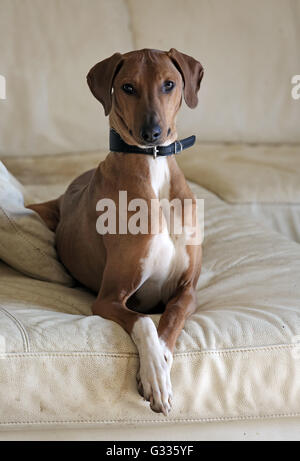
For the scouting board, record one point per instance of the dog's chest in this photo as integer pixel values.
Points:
(167, 257)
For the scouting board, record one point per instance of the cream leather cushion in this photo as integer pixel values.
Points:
(249, 50)
(26, 243)
(237, 357)
(47, 49)
(261, 181)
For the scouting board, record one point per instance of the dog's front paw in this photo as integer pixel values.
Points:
(153, 377)
(154, 382)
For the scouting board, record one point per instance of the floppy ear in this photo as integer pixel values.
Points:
(191, 72)
(100, 79)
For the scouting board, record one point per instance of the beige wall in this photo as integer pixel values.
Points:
(250, 50)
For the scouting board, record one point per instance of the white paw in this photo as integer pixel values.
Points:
(167, 353)
(154, 382)
(153, 377)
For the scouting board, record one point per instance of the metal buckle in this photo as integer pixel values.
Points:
(155, 151)
(175, 148)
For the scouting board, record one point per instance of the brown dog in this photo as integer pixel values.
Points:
(133, 274)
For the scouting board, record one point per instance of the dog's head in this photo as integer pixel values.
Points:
(141, 91)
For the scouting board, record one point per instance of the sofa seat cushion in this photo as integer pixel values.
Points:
(260, 180)
(237, 357)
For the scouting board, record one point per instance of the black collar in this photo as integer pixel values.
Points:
(116, 144)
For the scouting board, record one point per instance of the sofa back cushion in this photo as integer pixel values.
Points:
(46, 51)
(250, 52)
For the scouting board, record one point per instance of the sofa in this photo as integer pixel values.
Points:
(68, 375)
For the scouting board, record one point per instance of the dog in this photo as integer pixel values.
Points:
(136, 274)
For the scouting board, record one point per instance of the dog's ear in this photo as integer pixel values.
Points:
(191, 72)
(100, 79)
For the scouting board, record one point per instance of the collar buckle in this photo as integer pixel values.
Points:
(155, 151)
(175, 147)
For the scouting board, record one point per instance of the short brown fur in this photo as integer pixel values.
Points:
(108, 264)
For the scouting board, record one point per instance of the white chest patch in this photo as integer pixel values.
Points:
(160, 176)
(167, 257)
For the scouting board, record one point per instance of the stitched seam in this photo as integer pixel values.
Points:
(20, 327)
(29, 354)
(284, 204)
(156, 421)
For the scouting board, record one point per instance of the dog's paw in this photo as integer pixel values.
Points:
(154, 382)
(153, 378)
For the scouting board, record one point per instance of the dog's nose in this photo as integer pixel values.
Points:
(151, 133)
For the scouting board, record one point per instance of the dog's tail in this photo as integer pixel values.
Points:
(48, 211)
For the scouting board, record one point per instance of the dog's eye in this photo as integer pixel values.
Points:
(168, 86)
(128, 88)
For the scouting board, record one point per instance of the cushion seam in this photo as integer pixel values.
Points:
(30, 354)
(20, 327)
(175, 420)
(275, 204)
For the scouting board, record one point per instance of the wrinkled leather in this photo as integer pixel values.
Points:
(237, 357)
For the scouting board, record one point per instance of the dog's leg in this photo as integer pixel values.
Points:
(172, 321)
(156, 349)
(153, 377)
(154, 373)
(182, 304)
